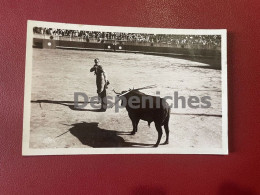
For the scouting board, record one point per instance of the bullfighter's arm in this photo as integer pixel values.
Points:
(93, 68)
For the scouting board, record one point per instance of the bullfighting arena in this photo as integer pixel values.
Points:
(57, 74)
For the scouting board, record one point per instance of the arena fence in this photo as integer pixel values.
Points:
(119, 46)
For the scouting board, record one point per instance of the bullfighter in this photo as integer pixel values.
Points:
(101, 82)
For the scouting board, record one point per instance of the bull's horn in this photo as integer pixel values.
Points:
(116, 92)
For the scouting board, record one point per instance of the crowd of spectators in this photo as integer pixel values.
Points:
(213, 40)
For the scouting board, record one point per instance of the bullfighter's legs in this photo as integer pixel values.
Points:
(103, 97)
(99, 91)
(159, 130)
(99, 98)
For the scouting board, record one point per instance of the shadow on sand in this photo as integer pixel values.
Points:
(90, 134)
(69, 104)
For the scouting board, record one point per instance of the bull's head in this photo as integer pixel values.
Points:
(122, 93)
(122, 96)
(116, 92)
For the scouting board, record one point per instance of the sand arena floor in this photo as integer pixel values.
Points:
(57, 74)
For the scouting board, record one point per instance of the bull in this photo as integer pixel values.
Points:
(147, 108)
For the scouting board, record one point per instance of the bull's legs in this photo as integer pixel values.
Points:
(166, 127)
(135, 124)
(159, 130)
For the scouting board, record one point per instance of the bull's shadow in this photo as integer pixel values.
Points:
(90, 134)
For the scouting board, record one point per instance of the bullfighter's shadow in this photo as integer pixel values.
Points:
(90, 134)
(69, 104)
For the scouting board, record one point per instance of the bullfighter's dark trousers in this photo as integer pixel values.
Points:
(103, 99)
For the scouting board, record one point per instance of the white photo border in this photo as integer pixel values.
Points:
(27, 151)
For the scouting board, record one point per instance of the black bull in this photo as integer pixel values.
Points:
(147, 108)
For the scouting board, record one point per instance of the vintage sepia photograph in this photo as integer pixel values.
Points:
(124, 90)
